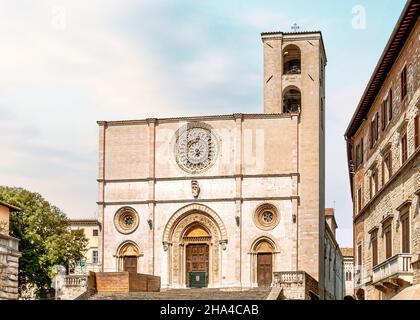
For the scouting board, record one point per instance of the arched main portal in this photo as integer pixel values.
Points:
(193, 239)
(128, 257)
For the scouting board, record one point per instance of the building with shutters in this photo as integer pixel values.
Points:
(90, 229)
(383, 147)
(223, 200)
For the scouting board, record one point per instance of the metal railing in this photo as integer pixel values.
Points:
(399, 264)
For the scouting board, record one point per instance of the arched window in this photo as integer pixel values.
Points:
(291, 60)
(291, 100)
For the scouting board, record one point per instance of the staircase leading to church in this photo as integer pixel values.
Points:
(188, 294)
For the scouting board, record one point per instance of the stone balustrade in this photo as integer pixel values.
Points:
(296, 285)
(288, 277)
(398, 265)
(75, 280)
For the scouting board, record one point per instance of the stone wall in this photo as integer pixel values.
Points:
(9, 267)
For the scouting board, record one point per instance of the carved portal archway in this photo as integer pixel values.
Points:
(194, 224)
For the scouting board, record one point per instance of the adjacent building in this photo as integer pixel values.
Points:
(224, 200)
(333, 260)
(90, 229)
(348, 261)
(9, 255)
(383, 153)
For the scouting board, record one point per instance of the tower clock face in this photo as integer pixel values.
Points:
(196, 148)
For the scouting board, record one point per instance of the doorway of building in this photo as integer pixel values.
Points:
(197, 265)
(264, 269)
(130, 264)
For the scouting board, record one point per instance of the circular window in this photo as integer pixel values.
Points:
(266, 217)
(126, 220)
(195, 147)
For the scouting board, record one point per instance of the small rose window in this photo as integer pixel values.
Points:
(126, 220)
(266, 216)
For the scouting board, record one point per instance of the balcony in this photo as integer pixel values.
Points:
(393, 273)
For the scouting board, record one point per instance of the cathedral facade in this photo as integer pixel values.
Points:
(223, 200)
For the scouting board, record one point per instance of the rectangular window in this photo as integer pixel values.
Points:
(359, 153)
(359, 199)
(384, 117)
(359, 255)
(416, 131)
(373, 183)
(389, 100)
(403, 83)
(388, 241)
(374, 249)
(386, 168)
(405, 232)
(404, 153)
(95, 232)
(374, 130)
(95, 256)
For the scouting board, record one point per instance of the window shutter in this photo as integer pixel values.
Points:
(404, 154)
(416, 131)
(359, 255)
(371, 134)
(404, 83)
(390, 104)
(405, 222)
(383, 114)
(374, 251)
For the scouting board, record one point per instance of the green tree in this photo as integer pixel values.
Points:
(45, 237)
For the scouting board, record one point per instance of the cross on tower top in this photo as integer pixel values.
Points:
(295, 27)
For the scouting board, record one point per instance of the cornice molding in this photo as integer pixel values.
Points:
(195, 118)
(233, 199)
(234, 176)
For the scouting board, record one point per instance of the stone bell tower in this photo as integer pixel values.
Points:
(294, 84)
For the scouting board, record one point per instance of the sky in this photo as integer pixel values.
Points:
(66, 64)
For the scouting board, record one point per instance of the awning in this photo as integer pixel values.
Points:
(410, 293)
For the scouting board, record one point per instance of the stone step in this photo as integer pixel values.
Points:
(188, 294)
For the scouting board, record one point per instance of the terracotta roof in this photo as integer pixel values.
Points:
(83, 221)
(12, 208)
(291, 33)
(402, 30)
(329, 212)
(198, 118)
(347, 252)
